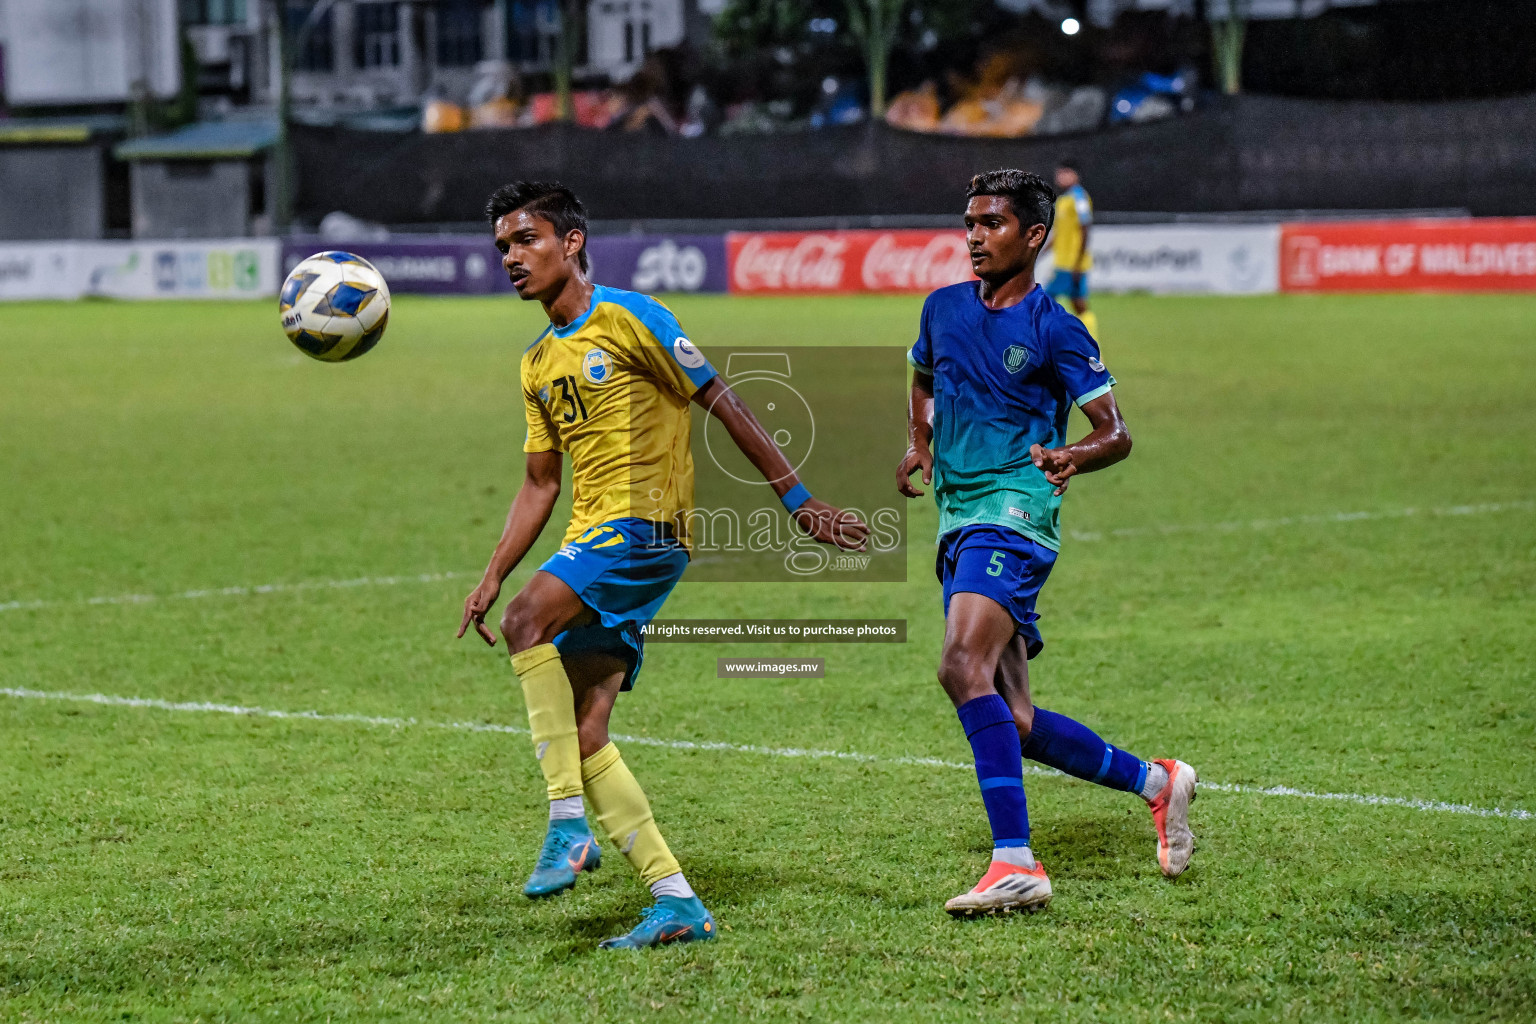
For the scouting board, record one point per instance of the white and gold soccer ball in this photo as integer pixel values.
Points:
(335, 306)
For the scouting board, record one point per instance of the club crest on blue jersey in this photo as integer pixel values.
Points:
(596, 366)
(1015, 357)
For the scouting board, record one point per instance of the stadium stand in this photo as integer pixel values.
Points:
(1236, 153)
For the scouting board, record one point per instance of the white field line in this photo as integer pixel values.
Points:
(1077, 535)
(109, 700)
(1327, 519)
(243, 591)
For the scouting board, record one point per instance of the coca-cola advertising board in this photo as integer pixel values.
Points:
(1410, 255)
(823, 262)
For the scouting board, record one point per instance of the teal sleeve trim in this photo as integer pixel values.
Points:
(912, 362)
(1083, 400)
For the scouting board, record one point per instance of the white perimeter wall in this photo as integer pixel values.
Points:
(1211, 259)
(240, 268)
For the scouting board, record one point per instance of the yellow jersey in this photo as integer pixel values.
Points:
(612, 390)
(1074, 212)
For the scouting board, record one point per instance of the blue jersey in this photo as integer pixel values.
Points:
(1003, 379)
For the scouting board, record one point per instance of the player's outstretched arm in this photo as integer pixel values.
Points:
(821, 521)
(1105, 445)
(525, 521)
(919, 436)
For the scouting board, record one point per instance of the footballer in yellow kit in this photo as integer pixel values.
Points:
(610, 384)
(1069, 243)
(612, 391)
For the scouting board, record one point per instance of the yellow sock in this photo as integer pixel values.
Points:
(1091, 322)
(552, 718)
(626, 815)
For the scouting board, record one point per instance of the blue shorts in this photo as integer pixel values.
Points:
(1061, 285)
(996, 562)
(623, 570)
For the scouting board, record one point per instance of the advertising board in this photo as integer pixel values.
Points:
(1496, 254)
(1214, 259)
(1392, 255)
(238, 268)
(1204, 259)
(38, 270)
(468, 264)
(812, 262)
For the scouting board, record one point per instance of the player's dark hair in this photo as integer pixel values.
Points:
(1069, 163)
(1032, 199)
(548, 199)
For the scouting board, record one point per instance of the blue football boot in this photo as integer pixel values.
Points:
(569, 849)
(669, 919)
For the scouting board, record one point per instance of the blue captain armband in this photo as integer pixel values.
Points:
(795, 497)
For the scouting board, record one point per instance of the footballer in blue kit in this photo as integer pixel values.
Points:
(997, 367)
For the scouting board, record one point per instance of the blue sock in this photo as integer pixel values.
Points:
(1071, 747)
(994, 740)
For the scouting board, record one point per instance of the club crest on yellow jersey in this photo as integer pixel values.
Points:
(596, 366)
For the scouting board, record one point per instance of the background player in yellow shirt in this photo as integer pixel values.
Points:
(608, 383)
(1073, 219)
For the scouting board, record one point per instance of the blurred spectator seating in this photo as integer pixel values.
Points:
(1152, 97)
(442, 116)
(916, 110)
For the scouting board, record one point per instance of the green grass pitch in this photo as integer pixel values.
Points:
(1216, 600)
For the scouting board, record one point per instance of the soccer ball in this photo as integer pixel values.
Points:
(335, 306)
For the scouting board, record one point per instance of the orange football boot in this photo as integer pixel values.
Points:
(1004, 889)
(1170, 813)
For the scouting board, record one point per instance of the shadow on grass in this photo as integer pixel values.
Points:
(724, 885)
(1105, 847)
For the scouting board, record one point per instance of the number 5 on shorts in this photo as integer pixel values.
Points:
(997, 564)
